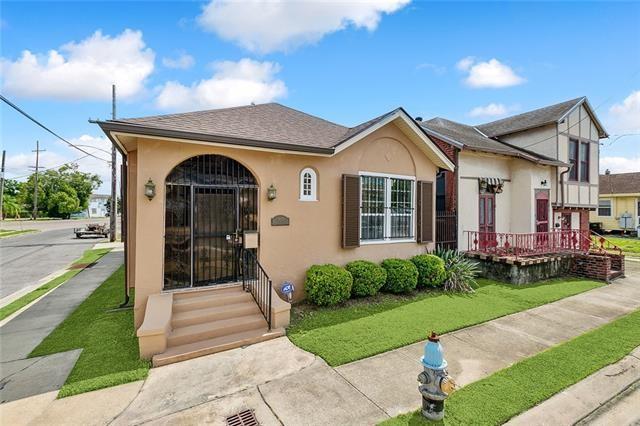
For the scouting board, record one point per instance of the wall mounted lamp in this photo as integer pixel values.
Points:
(150, 189)
(272, 193)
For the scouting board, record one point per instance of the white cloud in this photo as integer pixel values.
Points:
(489, 110)
(492, 74)
(183, 61)
(266, 26)
(625, 117)
(465, 63)
(620, 164)
(83, 70)
(232, 84)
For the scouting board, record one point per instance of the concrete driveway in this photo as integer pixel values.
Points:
(28, 258)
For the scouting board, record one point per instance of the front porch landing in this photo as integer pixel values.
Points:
(184, 325)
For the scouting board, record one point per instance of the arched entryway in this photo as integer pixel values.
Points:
(210, 201)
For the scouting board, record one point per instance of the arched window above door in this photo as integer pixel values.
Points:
(308, 185)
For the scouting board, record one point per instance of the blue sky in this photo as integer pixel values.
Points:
(345, 62)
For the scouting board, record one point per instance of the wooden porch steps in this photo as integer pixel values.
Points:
(212, 320)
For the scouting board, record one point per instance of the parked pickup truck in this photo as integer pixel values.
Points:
(92, 229)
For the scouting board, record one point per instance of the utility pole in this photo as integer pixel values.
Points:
(114, 204)
(34, 215)
(2, 183)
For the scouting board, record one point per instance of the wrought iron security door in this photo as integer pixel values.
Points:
(210, 201)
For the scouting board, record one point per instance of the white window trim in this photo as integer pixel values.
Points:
(610, 207)
(314, 185)
(387, 214)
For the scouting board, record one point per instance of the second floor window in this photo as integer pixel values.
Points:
(584, 162)
(573, 159)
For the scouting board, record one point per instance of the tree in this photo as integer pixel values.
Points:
(60, 192)
(11, 207)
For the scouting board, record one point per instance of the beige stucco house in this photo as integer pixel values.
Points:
(532, 172)
(224, 206)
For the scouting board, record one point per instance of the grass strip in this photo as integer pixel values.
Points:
(107, 338)
(5, 233)
(630, 246)
(343, 334)
(509, 392)
(89, 256)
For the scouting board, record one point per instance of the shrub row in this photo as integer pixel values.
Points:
(328, 285)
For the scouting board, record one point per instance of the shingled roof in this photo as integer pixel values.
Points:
(270, 126)
(620, 183)
(270, 122)
(465, 136)
(536, 118)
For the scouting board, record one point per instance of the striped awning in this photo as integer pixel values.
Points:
(491, 181)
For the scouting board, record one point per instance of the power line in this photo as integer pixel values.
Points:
(52, 167)
(14, 106)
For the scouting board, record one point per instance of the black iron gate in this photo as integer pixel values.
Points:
(446, 230)
(210, 201)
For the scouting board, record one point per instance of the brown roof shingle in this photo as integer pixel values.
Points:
(270, 122)
(620, 183)
(473, 139)
(529, 119)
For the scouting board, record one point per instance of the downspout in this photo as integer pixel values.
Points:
(124, 169)
(562, 184)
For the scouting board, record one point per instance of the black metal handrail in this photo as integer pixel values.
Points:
(256, 281)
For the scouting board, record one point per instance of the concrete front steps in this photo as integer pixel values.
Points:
(207, 321)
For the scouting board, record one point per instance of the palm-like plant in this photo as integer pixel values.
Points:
(460, 271)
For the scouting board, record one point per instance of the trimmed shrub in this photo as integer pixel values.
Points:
(328, 285)
(368, 277)
(430, 270)
(402, 275)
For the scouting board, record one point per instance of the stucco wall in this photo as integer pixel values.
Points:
(541, 140)
(314, 233)
(515, 206)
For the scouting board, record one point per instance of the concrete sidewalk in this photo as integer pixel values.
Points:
(21, 376)
(286, 385)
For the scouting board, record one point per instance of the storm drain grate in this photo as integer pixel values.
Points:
(243, 418)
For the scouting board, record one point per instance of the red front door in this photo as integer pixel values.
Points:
(542, 210)
(487, 215)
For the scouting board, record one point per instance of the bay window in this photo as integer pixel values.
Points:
(386, 207)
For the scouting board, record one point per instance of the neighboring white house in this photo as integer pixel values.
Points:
(532, 172)
(97, 205)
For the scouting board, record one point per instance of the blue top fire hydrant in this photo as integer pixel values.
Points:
(435, 383)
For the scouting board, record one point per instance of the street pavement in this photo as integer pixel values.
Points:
(28, 258)
(22, 377)
(285, 385)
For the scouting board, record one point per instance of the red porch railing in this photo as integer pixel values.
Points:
(531, 244)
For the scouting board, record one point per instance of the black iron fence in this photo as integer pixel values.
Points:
(446, 230)
(256, 281)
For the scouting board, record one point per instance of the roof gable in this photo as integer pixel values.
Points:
(539, 117)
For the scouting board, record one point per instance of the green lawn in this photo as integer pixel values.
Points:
(509, 392)
(89, 256)
(107, 336)
(344, 334)
(4, 233)
(630, 246)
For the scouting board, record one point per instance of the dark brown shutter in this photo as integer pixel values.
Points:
(350, 211)
(424, 209)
